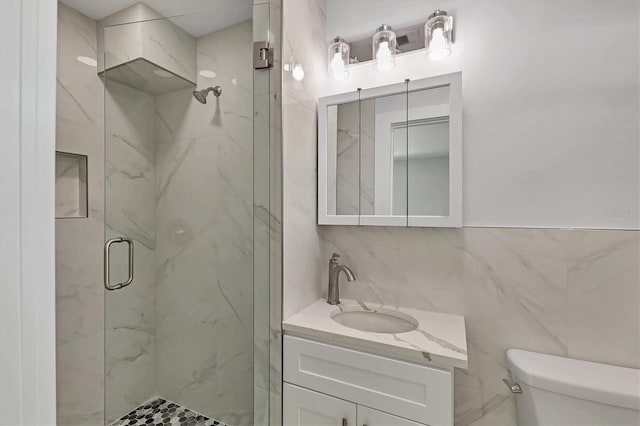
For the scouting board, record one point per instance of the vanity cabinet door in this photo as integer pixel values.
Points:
(303, 407)
(370, 417)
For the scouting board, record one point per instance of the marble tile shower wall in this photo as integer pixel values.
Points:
(82, 370)
(130, 317)
(127, 367)
(155, 39)
(564, 292)
(79, 291)
(204, 213)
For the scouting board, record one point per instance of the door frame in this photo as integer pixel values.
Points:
(28, 46)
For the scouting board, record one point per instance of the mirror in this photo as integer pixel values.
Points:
(344, 127)
(391, 156)
(421, 175)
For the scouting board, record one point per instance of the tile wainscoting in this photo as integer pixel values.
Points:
(565, 292)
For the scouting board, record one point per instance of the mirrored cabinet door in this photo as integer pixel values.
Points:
(339, 157)
(434, 159)
(367, 156)
(391, 156)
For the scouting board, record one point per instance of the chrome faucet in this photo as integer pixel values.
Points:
(334, 279)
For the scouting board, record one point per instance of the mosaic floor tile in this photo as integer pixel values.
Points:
(160, 412)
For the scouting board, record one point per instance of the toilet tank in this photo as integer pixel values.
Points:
(563, 391)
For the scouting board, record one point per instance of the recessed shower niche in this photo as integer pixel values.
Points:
(71, 185)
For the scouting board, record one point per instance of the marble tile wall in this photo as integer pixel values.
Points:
(169, 46)
(79, 291)
(304, 31)
(204, 212)
(565, 292)
(146, 35)
(81, 300)
(130, 318)
(303, 34)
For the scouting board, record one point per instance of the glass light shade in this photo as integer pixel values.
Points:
(338, 59)
(297, 72)
(384, 45)
(438, 35)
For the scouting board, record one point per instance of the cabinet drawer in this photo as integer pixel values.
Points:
(416, 392)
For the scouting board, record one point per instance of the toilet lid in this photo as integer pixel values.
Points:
(607, 384)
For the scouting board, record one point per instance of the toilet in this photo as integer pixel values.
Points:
(563, 391)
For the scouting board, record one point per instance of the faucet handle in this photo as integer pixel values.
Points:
(334, 258)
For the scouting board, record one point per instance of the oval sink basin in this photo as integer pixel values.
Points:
(376, 320)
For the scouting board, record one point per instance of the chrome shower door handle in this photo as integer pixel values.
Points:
(107, 246)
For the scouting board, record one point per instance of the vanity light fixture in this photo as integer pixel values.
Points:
(296, 70)
(384, 48)
(438, 35)
(338, 59)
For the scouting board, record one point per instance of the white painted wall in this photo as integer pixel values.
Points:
(551, 104)
(27, 144)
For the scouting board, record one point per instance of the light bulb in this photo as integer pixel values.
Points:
(438, 48)
(384, 57)
(337, 67)
(298, 72)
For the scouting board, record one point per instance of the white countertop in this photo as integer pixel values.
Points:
(439, 339)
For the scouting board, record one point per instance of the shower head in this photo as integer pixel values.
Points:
(201, 95)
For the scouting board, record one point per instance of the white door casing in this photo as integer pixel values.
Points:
(28, 35)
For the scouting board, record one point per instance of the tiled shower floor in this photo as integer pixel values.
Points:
(160, 412)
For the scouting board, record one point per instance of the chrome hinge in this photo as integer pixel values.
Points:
(262, 55)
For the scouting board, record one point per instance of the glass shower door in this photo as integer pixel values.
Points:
(181, 107)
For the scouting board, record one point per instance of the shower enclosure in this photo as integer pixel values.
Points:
(187, 242)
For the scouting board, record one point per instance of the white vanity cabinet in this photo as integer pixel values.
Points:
(304, 407)
(327, 384)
